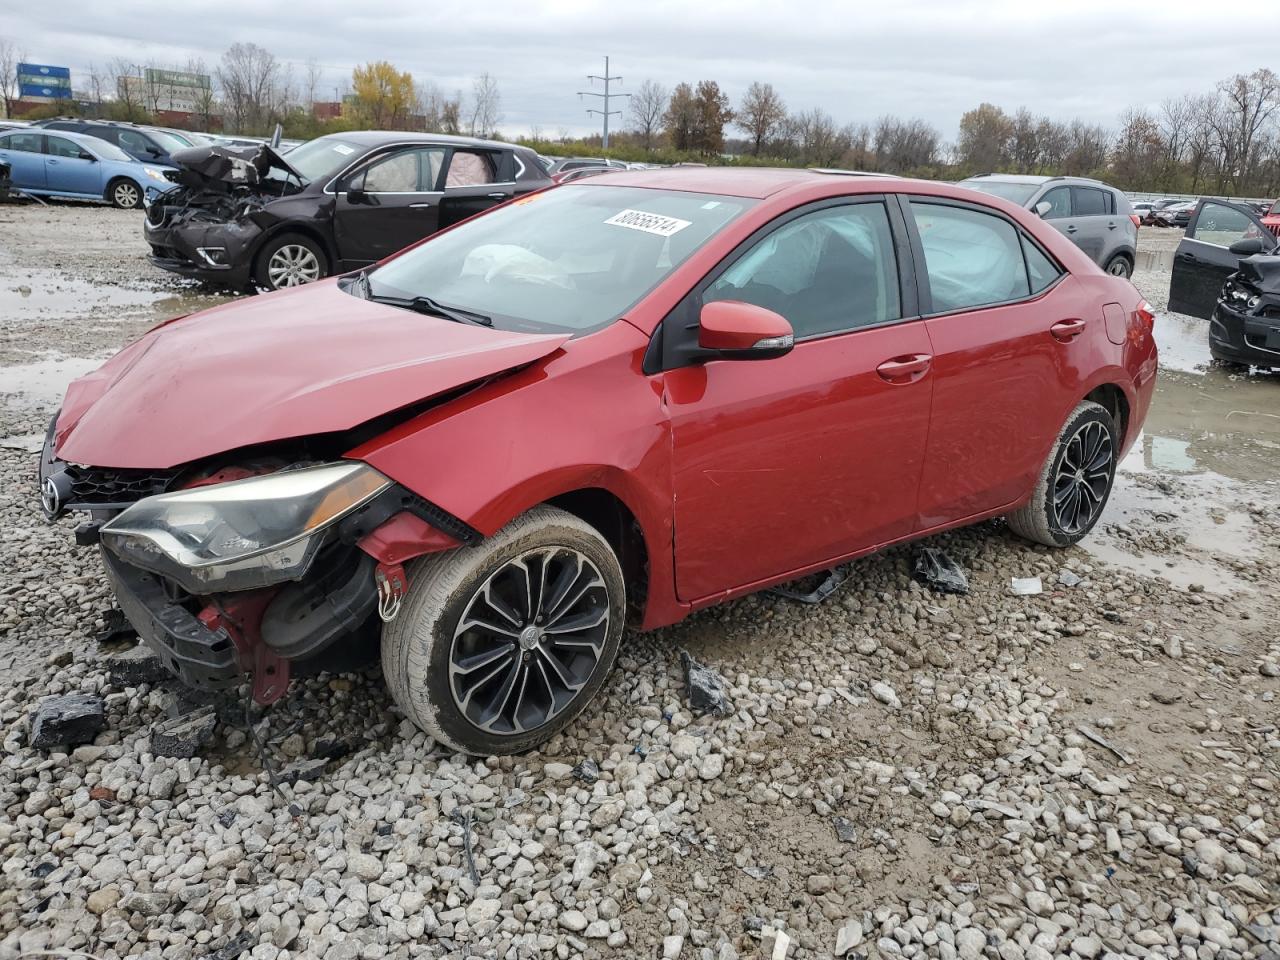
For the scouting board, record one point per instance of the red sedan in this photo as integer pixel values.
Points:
(611, 402)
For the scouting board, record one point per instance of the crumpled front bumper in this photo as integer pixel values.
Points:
(197, 655)
(1242, 338)
(190, 249)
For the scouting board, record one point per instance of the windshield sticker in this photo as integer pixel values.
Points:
(654, 223)
(343, 149)
(711, 205)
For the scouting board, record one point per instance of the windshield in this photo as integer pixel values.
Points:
(320, 157)
(1018, 193)
(167, 140)
(572, 259)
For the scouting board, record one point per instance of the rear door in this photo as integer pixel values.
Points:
(388, 204)
(1093, 219)
(70, 168)
(1010, 335)
(476, 180)
(1204, 259)
(24, 152)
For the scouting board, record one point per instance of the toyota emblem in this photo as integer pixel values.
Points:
(50, 498)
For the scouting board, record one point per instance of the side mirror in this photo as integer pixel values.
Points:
(1043, 207)
(155, 151)
(357, 196)
(85, 155)
(743, 331)
(1248, 247)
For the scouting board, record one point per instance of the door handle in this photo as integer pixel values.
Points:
(1111, 226)
(1072, 228)
(421, 206)
(499, 195)
(50, 160)
(905, 369)
(1067, 330)
(1189, 257)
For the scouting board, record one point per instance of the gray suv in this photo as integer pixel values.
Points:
(1096, 217)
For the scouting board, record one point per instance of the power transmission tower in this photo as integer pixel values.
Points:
(606, 96)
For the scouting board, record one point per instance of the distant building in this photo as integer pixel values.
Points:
(171, 96)
(326, 109)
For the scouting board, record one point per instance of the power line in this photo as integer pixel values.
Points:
(606, 113)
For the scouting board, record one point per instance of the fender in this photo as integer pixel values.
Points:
(540, 433)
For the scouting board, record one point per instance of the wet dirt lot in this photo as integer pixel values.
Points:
(1087, 772)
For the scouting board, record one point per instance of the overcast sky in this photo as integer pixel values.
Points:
(914, 58)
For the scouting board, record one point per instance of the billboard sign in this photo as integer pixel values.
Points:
(40, 81)
(174, 91)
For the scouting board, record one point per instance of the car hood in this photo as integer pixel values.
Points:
(274, 367)
(233, 165)
(1263, 271)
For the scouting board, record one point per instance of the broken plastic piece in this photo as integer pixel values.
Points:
(936, 568)
(706, 689)
(1026, 586)
(115, 627)
(834, 578)
(391, 583)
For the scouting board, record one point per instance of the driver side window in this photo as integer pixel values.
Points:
(133, 142)
(826, 272)
(1059, 199)
(1222, 225)
(60, 147)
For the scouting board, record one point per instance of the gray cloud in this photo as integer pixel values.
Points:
(926, 58)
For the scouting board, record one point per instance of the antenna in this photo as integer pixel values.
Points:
(606, 113)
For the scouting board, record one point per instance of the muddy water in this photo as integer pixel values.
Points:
(48, 294)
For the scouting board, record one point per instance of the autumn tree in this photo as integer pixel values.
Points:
(1249, 102)
(384, 96)
(983, 144)
(681, 119)
(1138, 149)
(646, 109)
(761, 115)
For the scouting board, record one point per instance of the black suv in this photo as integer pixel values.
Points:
(246, 217)
(142, 143)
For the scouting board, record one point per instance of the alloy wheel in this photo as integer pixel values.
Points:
(1084, 474)
(1119, 267)
(528, 640)
(126, 195)
(292, 265)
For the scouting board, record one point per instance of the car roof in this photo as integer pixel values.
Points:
(755, 183)
(374, 138)
(84, 139)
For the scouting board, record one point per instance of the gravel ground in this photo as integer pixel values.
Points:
(1087, 772)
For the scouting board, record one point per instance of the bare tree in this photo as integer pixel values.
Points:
(10, 57)
(1024, 147)
(761, 114)
(647, 107)
(486, 106)
(311, 81)
(451, 114)
(254, 86)
(130, 95)
(1249, 103)
(99, 89)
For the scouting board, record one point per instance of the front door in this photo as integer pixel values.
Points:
(70, 168)
(1204, 259)
(1009, 337)
(804, 459)
(392, 202)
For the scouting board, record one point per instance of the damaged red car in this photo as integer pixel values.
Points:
(613, 402)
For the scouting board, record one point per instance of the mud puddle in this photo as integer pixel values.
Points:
(42, 383)
(39, 294)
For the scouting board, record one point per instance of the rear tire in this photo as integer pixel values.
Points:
(474, 667)
(1075, 482)
(289, 260)
(123, 194)
(1120, 266)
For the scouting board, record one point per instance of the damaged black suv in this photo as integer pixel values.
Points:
(246, 217)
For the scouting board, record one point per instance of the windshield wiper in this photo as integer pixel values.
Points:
(433, 307)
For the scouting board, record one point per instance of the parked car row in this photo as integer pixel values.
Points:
(57, 163)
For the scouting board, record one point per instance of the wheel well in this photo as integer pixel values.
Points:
(617, 524)
(301, 231)
(1113, 400)
(111, 184)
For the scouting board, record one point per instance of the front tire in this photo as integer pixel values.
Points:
(1075, 482)
(124, 194)
(290, 260)
(1120, 266)
(497, 647)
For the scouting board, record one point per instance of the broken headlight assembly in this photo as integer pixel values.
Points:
(243, 534)
(1240, 296)
(155, 174)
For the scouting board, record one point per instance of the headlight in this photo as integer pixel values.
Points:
(243, 534)
(155, 174)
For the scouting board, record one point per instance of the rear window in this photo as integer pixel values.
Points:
(1088, 202)
(1018, 193)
